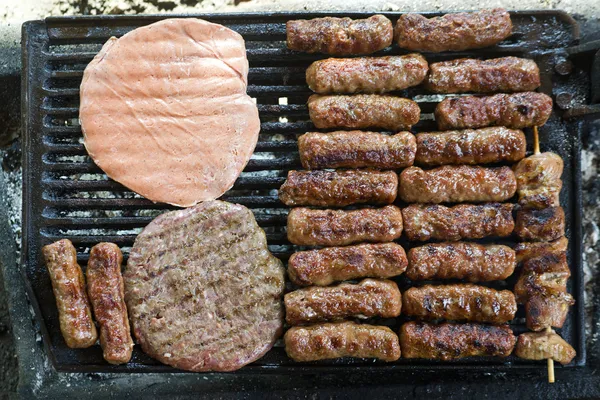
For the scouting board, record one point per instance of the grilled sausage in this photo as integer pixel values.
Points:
(540, 225)
(357, 149)
(105, 288)
(369, 298)
(453, 32)
(460, 302)
(338, 188)
(506, 74)
(340, 36)
(548, 270)
(464, 221)
(453, 341)
(68, 285)
(481, 146)
(528, 250)
(544, 345)
(538, 180)
(362, 111)
(462, 260)
(308, 227)
(325, 266)
(517, 110)
(341, 339)
(366, 74)
(456, 184)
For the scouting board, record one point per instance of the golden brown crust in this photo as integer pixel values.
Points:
(453, 32)
(549, 270)
(540, 225)
(340, 36)
(517, 110)
(538, 180)
(544, 345)
(308, 227)
(469, 146)
(339, 188)
(366, 74)
(106, 291)
(450, 341)
(460, 302)
(528, 250)
(423, 222)
(457, 184)
(341, 339)
(325, 266)
(363, 111)
(369, 298)
(357, 149)
(68, 285)
(506, 74)
(462, 260)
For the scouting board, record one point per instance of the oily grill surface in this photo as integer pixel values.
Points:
(67, 196)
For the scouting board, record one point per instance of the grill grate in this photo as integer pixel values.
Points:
(67, 196)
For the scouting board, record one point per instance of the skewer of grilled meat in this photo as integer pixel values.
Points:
(469, 146)
(338, 188)
(516, 110)
(357, 149)
(453, 32)
(369, 298)
(545, 225)
(325, 266)
(506, 74)
(548, 269)
(363, 111)
(460, 302)
(450, 341)
(460, 260)
(456, 184)
(366, 74)
(538, 180)
(423, 222)
(528, 250)
(341, 339)
(340, 36)
(308, 227)
(544, 345)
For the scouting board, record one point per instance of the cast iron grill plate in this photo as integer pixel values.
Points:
(65, 195)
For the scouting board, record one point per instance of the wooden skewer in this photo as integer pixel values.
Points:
(536, 150)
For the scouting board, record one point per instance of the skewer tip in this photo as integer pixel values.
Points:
(536, 141)
(550, 361)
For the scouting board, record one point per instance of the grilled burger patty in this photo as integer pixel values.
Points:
(452, 32)
(203, 291)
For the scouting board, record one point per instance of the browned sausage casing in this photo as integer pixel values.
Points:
(338, 188)
(456, 184)
(469, 146)
(517, 110)
(307, 227)
(538, 180)
(452, 341)
(341, 339)
(68, 285)
(105, 288)
(540, 225)
(369, 298)
(357, 149)
(362, 111)
(528, 250)
(460, 302)
(340, 36)
(506, 74)
(453, 32)
(462, 260)
(544, 345)
(465, 221)
(366, 74)
(325, 266)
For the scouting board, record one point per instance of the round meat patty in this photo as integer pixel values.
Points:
(203, 291)
(164, 110)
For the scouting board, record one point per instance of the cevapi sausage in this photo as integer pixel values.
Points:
(105, 288)
(68, 285)
(340, 36)
(366, 74)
